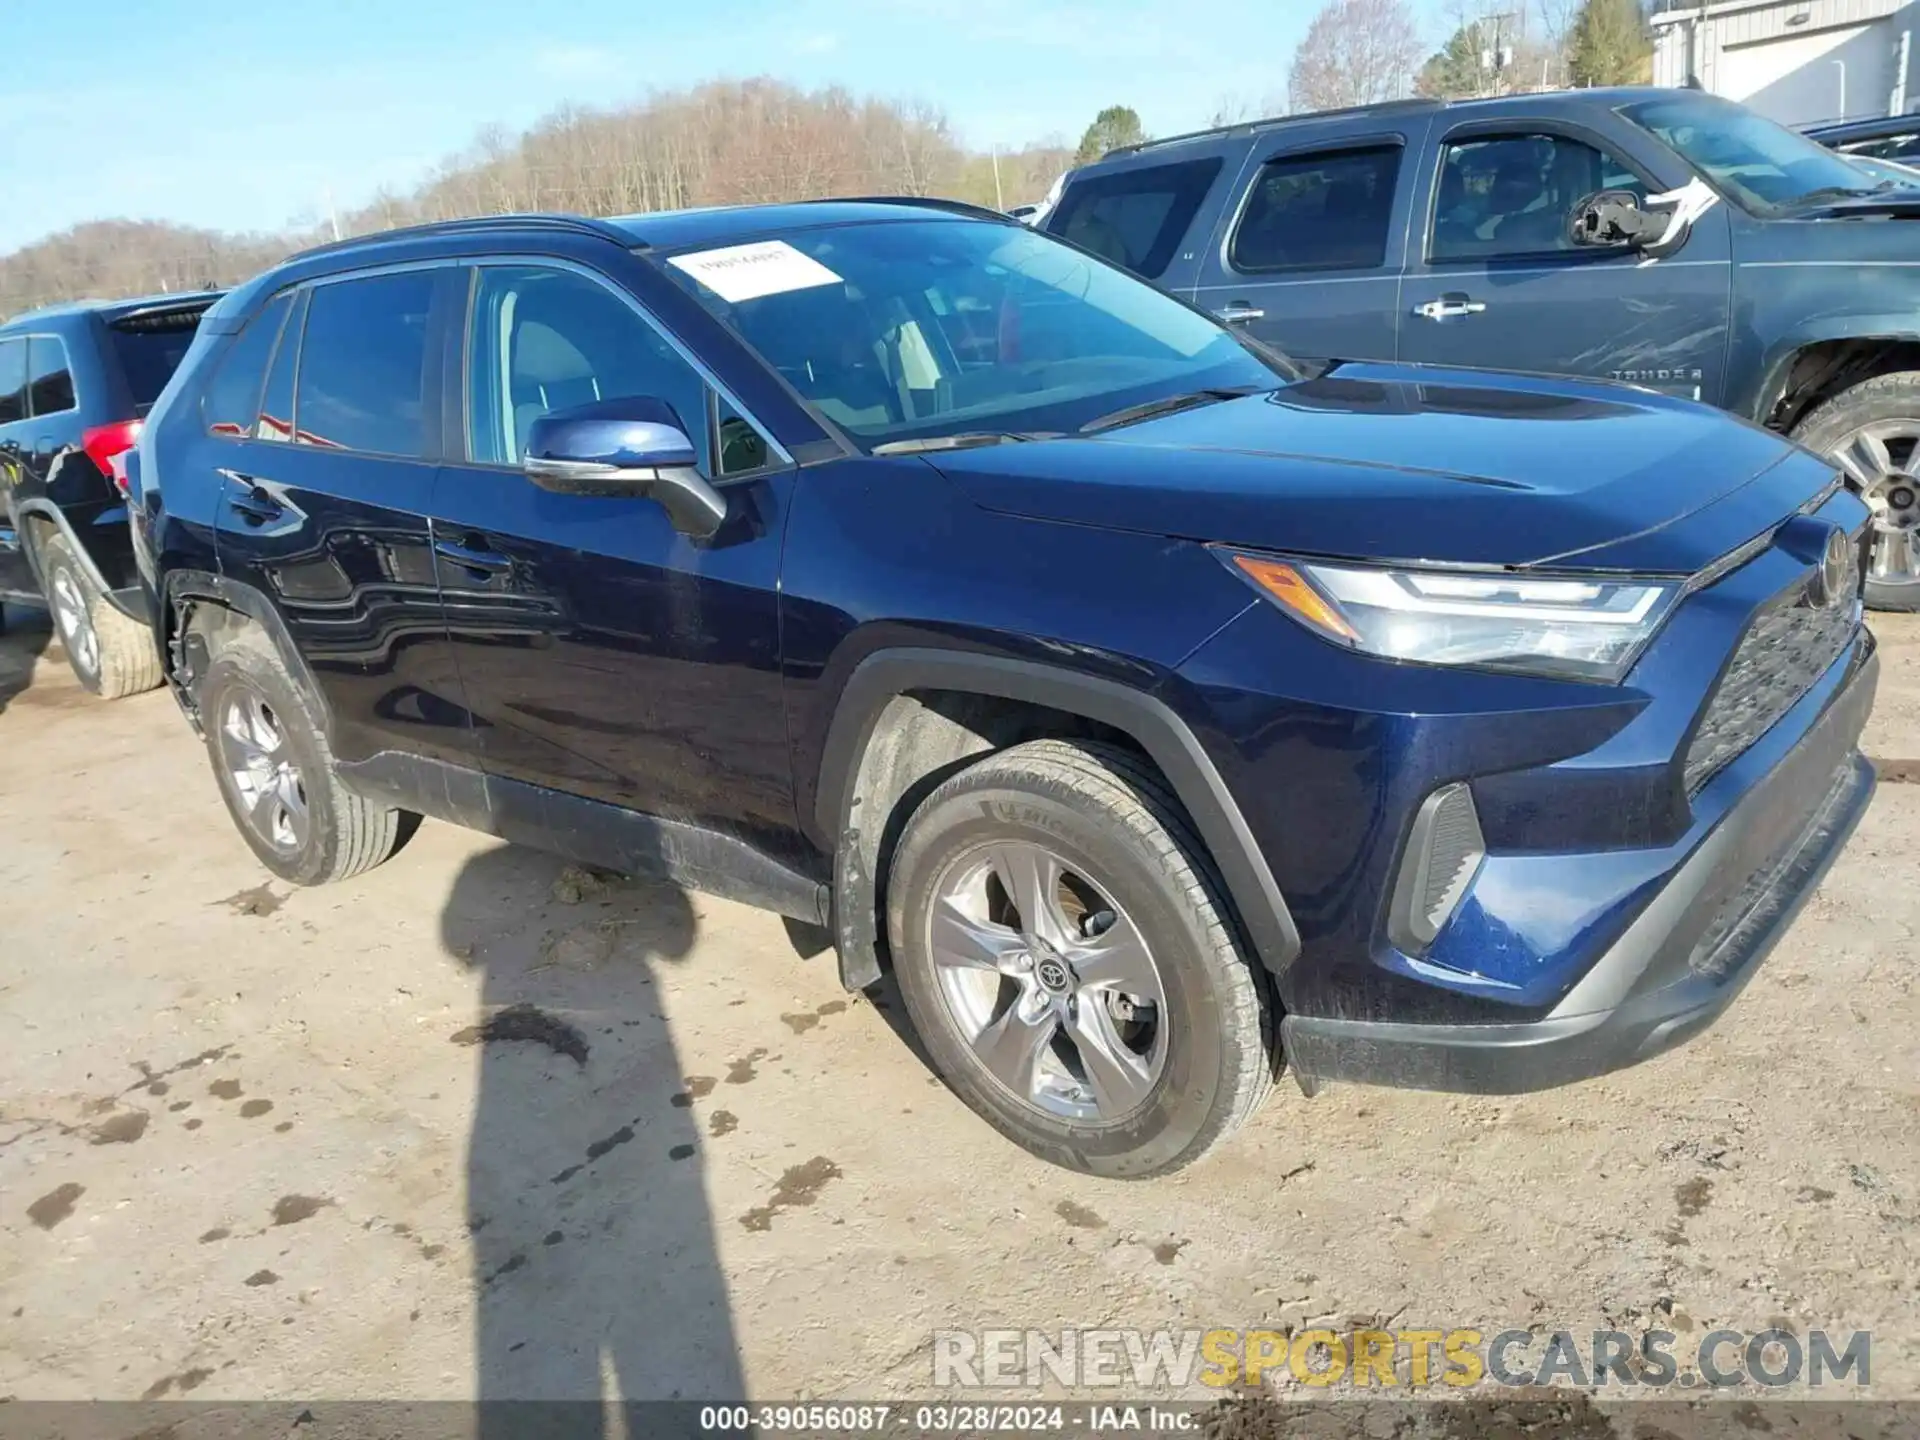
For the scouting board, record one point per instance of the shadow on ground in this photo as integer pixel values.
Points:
(593, 1246)
(24, 637)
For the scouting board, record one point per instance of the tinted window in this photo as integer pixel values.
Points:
(1512, 194)
(232, 397)
(49, 378)
(150, 352)
(1319, 212)
(742, 448)
(13, 380)
(276, 405)
(1137, 217)
(1890, 147)
(912, 330)
(545, 340)
(363, 359)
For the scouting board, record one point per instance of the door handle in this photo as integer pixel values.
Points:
(486, 561)
(1239, 311)
(256, 507)
(1450, 307)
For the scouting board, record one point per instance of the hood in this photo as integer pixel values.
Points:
(1407, 463)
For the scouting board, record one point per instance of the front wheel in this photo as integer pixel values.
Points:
(1064, 947)
(1872, 432)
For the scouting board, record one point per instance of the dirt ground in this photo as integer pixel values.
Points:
(253, 1144)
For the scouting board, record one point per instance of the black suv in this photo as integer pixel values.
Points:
(75, 383)
(1155, 709)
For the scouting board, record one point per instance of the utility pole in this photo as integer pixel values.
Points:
(999, 201)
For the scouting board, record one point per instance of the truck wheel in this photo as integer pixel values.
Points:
(1063, 945)
(276, 773)
(112, 654)
(1872, 432)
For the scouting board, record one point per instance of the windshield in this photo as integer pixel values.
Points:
(906, 330)
(1762, 167)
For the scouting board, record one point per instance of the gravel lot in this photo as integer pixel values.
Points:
(250, 1144)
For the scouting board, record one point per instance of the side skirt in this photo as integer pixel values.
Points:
(591, 832)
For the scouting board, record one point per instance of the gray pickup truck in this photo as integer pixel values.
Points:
(1664, 238)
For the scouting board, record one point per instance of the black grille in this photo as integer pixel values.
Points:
(1789, 646)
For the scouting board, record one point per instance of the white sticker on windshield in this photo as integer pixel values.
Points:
(747, 272)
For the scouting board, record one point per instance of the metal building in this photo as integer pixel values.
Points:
(1796, 61)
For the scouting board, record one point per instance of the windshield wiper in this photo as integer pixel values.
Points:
(965, 440)
(1168, 405)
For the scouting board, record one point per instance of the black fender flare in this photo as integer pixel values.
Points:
(184, 587)
(1149, 721)
(41, 508)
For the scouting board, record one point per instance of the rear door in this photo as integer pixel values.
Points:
(325, 498)
(1495, 281)
(1308, 257)
(603, 653)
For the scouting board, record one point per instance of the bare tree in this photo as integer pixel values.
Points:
(1356, 52)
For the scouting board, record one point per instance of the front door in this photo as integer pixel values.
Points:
(324, 507)
(604, 654)
(1495, 281)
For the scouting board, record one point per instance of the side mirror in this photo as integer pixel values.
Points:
(1613, 219)
(630, 446)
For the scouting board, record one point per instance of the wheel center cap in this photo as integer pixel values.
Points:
(1052, 973)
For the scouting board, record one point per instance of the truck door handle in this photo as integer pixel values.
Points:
(484, 561)
(1450, 307)
(1240, 311)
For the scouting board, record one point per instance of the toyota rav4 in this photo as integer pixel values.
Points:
(1161, 716)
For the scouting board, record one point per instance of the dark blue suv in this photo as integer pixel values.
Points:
(1159, 715)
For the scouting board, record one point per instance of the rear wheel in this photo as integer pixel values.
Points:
(1063, 945)
(112, 654)
(1872, 432)
(276, 773)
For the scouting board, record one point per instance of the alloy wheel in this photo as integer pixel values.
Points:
(260, 767)
(1048, 982)
(70, 613)
(1880, 460)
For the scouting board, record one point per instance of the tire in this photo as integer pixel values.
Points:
(1872, 432)
(302, 823)
(113, 655)
(1197, 1059)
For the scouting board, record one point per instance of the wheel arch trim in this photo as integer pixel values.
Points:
(1167, 740)
(41, 508)
(184, 587)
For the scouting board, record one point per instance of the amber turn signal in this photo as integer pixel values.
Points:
(1291, 589)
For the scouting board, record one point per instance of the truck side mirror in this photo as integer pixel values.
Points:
(1613, 219)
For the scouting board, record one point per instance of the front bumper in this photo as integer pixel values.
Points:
(1672, 972)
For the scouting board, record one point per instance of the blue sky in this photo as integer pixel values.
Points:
(247, 115)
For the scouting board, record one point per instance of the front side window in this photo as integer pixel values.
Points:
(49, 377)
(542, 340)
(363, 358)
(13, 381)
(914, 329)
(232, 397)
(1762, 167)
(1135, 218)
(1512, 195)
(1319, 212)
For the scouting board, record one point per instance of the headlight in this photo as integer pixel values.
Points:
(1585, 627)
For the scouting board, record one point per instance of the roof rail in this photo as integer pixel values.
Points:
(574, 224)
(925, 202)
(1383, 107)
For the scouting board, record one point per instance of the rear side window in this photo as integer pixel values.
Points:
(150, 352)
(232, 399)
(1318, 212)
(1136, 218)
(363, 363)
(276, 405)
(13, 381)
(49, 376)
